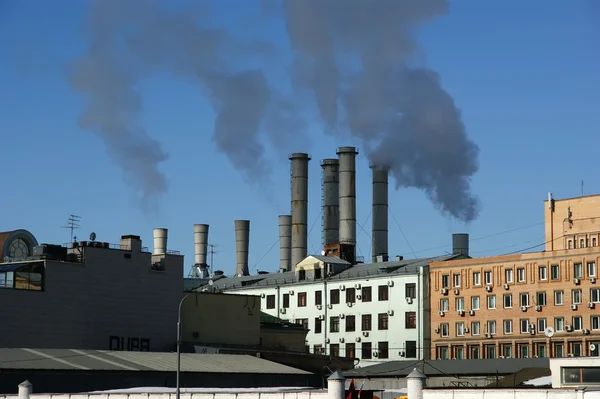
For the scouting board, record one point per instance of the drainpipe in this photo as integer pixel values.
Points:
(325, 317)
(278, 302)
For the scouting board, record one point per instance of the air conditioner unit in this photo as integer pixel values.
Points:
(488, 288)
(573, 307)
(456, 292)
(342, 315)
(365, 333)
(342, 340)
(330, 306)
(471, 312)
(390, 283)
(568, 328)
(327, 340)
(460, 312)
(488, 335)
(466, 329)
(263, 295)
(402, 354)
(282, 310)
(532, 332)
(390, 312)
(349, 304)
(291, 292)
(375, 354)
(524, 308)
(444, 291)
(586, 331)
(570, 355)
(532, 326)
(357, 286)
(576, 281)
(506, 286)
(538, 308)
(321, 317)
(357, 339)
(409, 300)
(342, 287)
(437, 330)
(591, 305)
(440, 313)
(592, 280)
(319, 307)
(358, 297)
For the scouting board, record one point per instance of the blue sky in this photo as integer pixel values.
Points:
(523, 73)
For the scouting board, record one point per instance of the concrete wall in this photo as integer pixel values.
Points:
(113, 294)
(221, 319)
(294, 340)
(507, 393)
(583, 228)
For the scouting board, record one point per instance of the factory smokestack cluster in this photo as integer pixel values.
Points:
(242, 245)
(379, 215)
(200, 244)
(160, 241)
(331, 201)
(347, 176)
(299, 166)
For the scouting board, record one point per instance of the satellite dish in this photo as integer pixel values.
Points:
(592, 347)
(323, 253)
(210, 282)
(93, 236)
(549, 332)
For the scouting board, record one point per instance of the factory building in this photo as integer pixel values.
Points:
(538, 304)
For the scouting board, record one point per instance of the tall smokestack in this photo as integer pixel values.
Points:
(380, 214)
(347, 158)
(242, 244)
(285, 243)
(460, 244)
(299, 168)
(160, 241)
(200, 243)
(331, 201)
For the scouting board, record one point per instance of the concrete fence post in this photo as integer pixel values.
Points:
(415, 382)
(336, 386)
(25, 389)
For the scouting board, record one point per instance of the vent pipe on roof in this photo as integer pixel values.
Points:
(200, 243)
(331, 201)
(242, 245)
(460, 244)
(379, 216)
(285, 243)
(299, 170)
(347, 172)
(160, 241)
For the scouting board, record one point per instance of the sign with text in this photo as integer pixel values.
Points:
(117, 343)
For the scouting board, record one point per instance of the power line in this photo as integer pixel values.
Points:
(401, 231)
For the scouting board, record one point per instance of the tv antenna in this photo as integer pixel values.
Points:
(212, 252)
(73, 224)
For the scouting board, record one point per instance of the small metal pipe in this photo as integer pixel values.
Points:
(177, 388)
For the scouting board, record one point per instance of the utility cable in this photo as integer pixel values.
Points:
(401, 231)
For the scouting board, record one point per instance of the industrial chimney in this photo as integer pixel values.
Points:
(460, 244)
(285, 243)
(299, 167)
(200, 243)
(160, 241)
(331, 202)
(242, 243)
(347, 160)
(380, 214)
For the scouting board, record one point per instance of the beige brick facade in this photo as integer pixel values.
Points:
(501, 306)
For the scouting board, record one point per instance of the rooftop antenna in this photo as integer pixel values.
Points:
(212, 253)
(73, 224)
(582, 188)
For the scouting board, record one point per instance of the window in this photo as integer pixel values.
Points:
(487, 275)
(595, 322)
(443, 353)
(318, 350)
(491, 301)
(367, 294)
(490, 351)
(540, 298)
(591, 269)
(508, 327)
(318, 297)
(382, 321)
(334, 324)
(411, 349)
(541, 325)
(476, 278)
(444, 306)
(475, 328)
(318, 325)
(366, 350)
(302, 275)
(270, 301)
(366, 322)
(318, 274)
(383, 293)
(507, 301)
(444, 329)
(383, 350)
(475, 302)
(286, 301)
(350, 350)
(524, 326)
(507, 351)
(474, 351)
(491, 327)
(581, 375)
(301, 299)
(578, 270)
(523, 350)
(555, 272)
(350, 295)
(456, 280)
(559, 350)
(543, 273)
(594, 243)
(410, 319)
(524, 299)
(521, 275)
(410, 290)
(460, 329)
(582, 243)
(445, 281)
(460, 303)
(559, 297)
(576, 349)
(334, 296)
(576, 297)
(577, 323)
(595, 295)
(350, 323)
(508, 275)
(559, 324)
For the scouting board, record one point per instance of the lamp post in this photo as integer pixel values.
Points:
(177, 389)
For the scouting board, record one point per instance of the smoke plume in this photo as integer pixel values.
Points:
(355, 59)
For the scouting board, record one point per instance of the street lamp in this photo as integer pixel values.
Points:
(177, 389)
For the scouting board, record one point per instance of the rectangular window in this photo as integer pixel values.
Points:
(350, 350)
(491, 301)
(475, 328)
(476, 278)
(383, 292)
(334, 297)
(507, 301)
(521, 275)
(286, 301)
(555, 272)
(576, 297)
(350, 295)
(318, 274)
(444, 306)
(318, 297)
(456, 280)
(366, 322)
(367, 294)
(507, 351)
(460, 303)
(540, 298)
(578, 270)
(334, 324)
(491, 327)
(591, 269)
(270, 301)
(595, 322)
(508, 275)
(543, 273)
(383, 350)
(382, 321)
(475, 302)
(523, 350)
(559, 298)
(541, 325)
(350, 323)
(524, 326)
(410, 319)
(411, 349)
(460, 329)
(508, 327)
(559, 324)
(318, 350)
(524, 299)
(334, 350)
(318, 325)
(488, 277)
(445, 281)
(366, 350)
(559, 350)
(301, 299)
(577, 323)
(410, 290)
(444, 329)
(595, 295)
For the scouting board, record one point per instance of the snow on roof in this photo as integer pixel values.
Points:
(539, 382)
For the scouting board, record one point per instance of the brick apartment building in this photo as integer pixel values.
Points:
(539, 304)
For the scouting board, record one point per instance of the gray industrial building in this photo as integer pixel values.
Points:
(92, 295)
